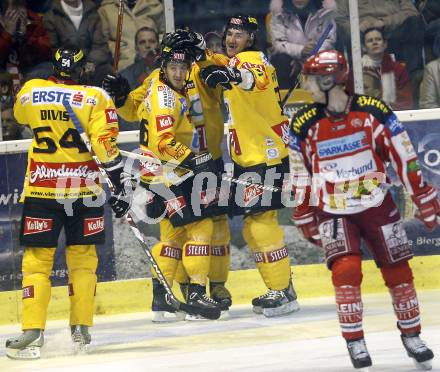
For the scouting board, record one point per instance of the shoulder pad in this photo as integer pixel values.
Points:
(374, 106)
(304, 118)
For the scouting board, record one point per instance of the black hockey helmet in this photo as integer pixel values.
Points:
(168, 54)
(68, 63)
(246, 23)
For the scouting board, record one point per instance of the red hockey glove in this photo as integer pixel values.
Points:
(428, 207)
(306, 221)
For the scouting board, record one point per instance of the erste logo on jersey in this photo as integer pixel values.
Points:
(56, 96)
(164, 122)
(111, 116)
(93, 225)
(35, 225)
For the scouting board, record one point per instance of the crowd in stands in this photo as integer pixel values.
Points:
(400, 41)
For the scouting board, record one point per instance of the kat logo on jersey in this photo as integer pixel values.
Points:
(111, 116)
(93, 225)
(33, 225)
(164, 122)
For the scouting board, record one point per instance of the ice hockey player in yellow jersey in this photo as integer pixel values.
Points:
(60, 191)
(258, 136)
(166, 133)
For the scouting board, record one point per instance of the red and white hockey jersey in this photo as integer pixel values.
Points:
(346, 156)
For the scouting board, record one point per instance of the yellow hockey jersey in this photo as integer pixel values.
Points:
(59, 164)
(258, 130)
(206, 114)
(165, 129)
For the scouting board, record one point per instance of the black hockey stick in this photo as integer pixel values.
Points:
(210, 313)
(314, 51)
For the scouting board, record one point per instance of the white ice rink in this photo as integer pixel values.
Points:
(305, 341)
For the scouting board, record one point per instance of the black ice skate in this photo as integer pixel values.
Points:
(220, 294)
(162, 312)
(197, 297)
(358, 353)
(27, 346)
(276, 303)
(81, 338)
(418, 351)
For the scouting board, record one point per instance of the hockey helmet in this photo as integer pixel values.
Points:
(168, 54)
(328, 63)
(68, 63)
(243, 22)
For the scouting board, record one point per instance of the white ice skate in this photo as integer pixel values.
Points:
(417, 350)
(359, 355)
(27, 346)
(81, 338)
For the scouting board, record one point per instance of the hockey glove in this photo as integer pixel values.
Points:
(117, 86)
(192, 42)
(306, 221)
(124, 184)
(200, 163)
(428, 207)
(220, 75)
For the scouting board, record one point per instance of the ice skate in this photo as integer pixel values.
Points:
(81, 338)
(184, 290)
(359, 354)
(197, 297)
(418, 351)
(220, 294)
(276, 303)
(162, 312)
(26, 346)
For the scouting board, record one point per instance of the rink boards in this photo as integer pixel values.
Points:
(135, 295)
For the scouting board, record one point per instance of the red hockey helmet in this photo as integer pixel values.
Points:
(327, 62)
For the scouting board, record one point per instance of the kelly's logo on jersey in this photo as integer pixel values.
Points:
(93, 225)
(54, 115)
(175, 205)
(33, 225)
(164, 122)
(111, 116)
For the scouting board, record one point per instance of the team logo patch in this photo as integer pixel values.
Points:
(111, 116)
(197, 250)
(77, 99)
(28, 292)
(175, 205)
(93, 225)
(164, 122)
(251, 192)
(34, 225)
(171, 252)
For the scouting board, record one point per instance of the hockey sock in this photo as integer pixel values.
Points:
(37, 267)
(196, 260)
(82, 263)
(220, 252)
(167, 258)
(347, 278)
(399, 280)
(265, 237)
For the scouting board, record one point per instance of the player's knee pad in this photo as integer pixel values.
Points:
(347, 270)
(196, 260)
(397, 274)
(262, 230)
(37, 267)
(220, 251)
(82, 263)
(167, 256)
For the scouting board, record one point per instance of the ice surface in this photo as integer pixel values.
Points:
(305, 341)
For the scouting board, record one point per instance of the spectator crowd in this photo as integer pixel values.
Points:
(400, 41)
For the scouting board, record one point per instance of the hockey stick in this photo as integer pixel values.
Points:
(314, 51)
(171, 299)
(118, 36)
(134, 155)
